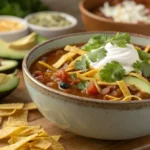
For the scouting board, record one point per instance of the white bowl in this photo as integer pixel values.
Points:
(14, 35)
(54, 31)
(89, 117)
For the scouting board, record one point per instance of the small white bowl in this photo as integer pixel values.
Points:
(54, 31)
(14, 35)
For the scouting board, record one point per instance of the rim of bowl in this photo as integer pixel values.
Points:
(73, 21)
(14, 18)
(79, 98)
(92, 15)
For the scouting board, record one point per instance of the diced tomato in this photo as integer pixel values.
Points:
(91, 89)
(62, 75)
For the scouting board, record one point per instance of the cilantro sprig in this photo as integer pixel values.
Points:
(143, 55)
(82, 85)
(82, 64)
(112, 72)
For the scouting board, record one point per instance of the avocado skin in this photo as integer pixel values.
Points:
(4, 94)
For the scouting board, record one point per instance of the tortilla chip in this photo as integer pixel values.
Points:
(17, 119)
(19, 144)
(29, 106)
(63, 59)
(12, 106)
(42, 133)
(0, 120)
(8, 131)
(8, 112)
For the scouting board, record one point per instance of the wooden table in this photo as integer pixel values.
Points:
(69, 140)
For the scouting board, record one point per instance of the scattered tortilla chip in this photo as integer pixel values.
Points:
(8, 112)
(47, 66)
(147, 49)
(17, 119)
(17, 145)
(124, 89)
(8, 131)
(42, 132)
(63, 59)
(12, 106)
(29, 106)
(0, 120)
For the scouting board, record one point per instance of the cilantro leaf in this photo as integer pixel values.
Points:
(143, 55)
(96, 42)
(82, 64)
(97, 54)
(146, 68)
(137, 66)
(112, 71)
(120, 39)
(73, 76)
(82, 85)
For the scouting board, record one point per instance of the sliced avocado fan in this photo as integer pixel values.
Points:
(8, 83)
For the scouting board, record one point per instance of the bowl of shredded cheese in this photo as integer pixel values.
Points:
(116, 15)
(12, 28)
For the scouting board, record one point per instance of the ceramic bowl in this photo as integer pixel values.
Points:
(55, 31)
(95, 22)
(14, 35)
(88, 117)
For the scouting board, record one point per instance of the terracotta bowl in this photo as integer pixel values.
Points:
(88, 117)
(95, 21)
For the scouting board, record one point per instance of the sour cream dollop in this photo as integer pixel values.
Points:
(126, 56)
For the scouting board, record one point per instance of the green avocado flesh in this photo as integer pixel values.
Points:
(7, 65)
(143, 86)
(8, 85)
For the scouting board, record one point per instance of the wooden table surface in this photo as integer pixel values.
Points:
(69, 140)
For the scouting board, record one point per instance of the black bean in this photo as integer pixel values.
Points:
(64, 85)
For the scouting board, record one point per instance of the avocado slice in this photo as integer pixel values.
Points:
(10, 53)
(8, 66)
(143, 86)
(7, 84)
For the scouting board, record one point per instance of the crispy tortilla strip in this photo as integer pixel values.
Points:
(19, 144)
(90, 73)
(11, 106)
(139, 76)
(17, 119)
(97, 86)
(8, 131)
(0, 120)
(106, 83)
(29, 106)
(43, 144)
(71, 65)
(47, 66)
(83, 77)
(7, 112)
(147, 49)
(74, 72)
(124, 89)
(63, 59)
(109, 97)
(130, 97)
(74, 49)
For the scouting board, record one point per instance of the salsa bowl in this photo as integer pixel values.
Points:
(85, 116)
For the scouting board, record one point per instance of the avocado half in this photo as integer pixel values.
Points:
(8, 83)
(8, 66)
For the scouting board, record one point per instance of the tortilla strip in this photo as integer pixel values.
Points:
(147, 49)
(17, 119)
(123, 87)
(63, 59)
(12, 106)
(109, 97)
(19, 144)
(83, 77)
(8, 112)
(90, 73)
(47, 66)
(97, 86)
(131, 96)
(139, 76)
(29, 106)
(106, 83)
(74, 72)
(71, 65)
(74, 49)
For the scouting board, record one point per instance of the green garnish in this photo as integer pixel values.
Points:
(73, 76)
(82, 85)
(143, 66)
(112, 72)
(143, 55)
(97, 55)
(82, 64)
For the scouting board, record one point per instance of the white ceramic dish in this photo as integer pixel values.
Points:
(14, 35)
(55, 31)
(86, 116)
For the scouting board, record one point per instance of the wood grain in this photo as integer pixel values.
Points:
(70, 140)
